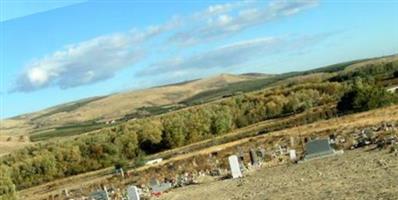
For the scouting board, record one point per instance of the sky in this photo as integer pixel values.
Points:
(53, 52)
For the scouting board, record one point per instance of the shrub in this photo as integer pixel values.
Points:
(364, 96)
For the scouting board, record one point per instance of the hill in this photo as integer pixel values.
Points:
(114, 106)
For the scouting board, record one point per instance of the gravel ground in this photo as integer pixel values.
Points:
(358, 174)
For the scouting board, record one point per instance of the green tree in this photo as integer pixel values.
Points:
(7, 187)
(174, 131)
(221, 121)
(364, 96)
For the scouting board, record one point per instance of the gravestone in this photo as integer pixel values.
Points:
(99, 195)
(153, 182)
(292, 154)
(318, 148)
(235, 167)
(158, 188)
(253, 157)
(132, 193)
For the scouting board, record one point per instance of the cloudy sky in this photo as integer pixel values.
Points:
(57, 51)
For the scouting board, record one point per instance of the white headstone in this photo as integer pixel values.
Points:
(234, 165)
(292, 154)
(132, 193)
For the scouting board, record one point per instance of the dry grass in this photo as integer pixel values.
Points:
(12, 143)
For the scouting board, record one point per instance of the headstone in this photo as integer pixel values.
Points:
(253, 157)
(318, 148)
(99, 195)
(132, 193)
(161, 187)
(292, 154)
(153, 182)
(106, 192)
(234, 165)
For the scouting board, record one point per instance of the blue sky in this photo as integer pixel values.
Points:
(58, 51)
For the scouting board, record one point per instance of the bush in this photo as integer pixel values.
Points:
(7, 187)
(363, 97)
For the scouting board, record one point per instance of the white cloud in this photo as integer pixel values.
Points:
(222, 57)
(102, 57)
(236, 54)
(236, 18)
(87, 62)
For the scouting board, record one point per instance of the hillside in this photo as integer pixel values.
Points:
(114, 106)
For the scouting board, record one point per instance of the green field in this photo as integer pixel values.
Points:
(67, 130)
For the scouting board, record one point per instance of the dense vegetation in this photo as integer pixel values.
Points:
(364, 96)
(7, 187)
(130, 141)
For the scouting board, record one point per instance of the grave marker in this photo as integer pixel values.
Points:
(235, 167)
(161, 187)
(253, 157)
(318, 148)
(292, 154)
(132, 193)
(99, 195)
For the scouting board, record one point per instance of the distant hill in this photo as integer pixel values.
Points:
(114, 106)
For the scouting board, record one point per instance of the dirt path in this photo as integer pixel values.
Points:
(354, 175)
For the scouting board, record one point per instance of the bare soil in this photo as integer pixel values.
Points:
(358, 174)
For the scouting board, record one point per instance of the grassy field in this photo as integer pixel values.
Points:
(65, 131)
(68, 107)
(12, 143)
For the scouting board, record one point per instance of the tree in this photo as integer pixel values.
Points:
(128, 143)
(364, 97)
(7, 187)
(174, 131)
(221, 121)
(148, 130)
